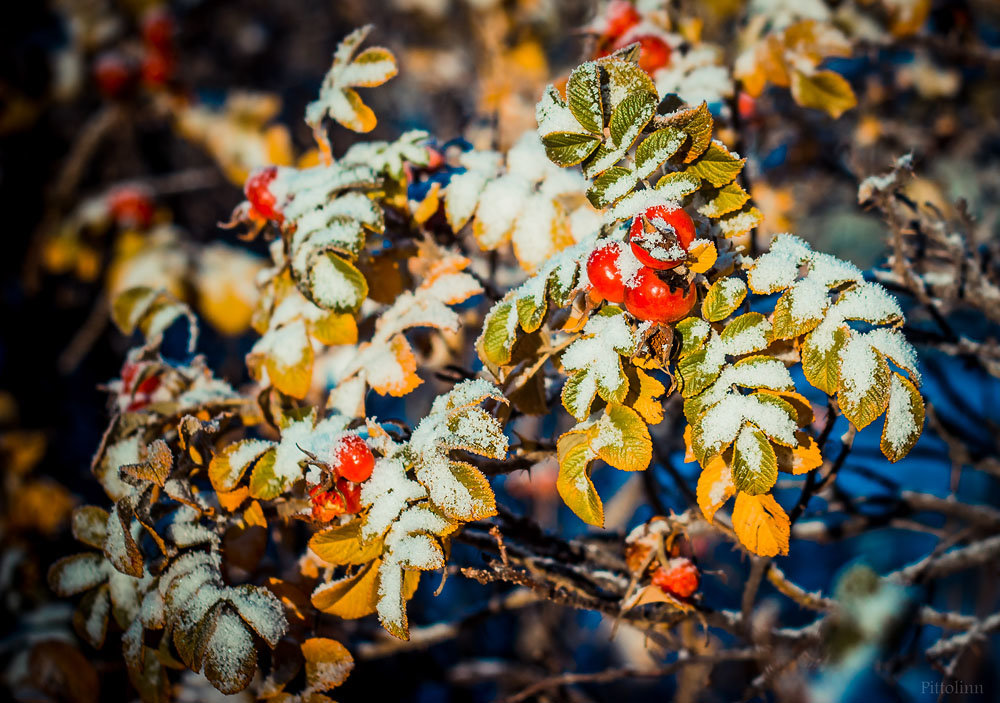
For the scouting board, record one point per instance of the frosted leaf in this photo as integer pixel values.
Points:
(462, 196)
(499, 206)
(391, 606)
(903, 419)
(553, 115)
(722, 422)
(387, 492)
(389, 157)
(756, 372)
(261, 610)
(152, 612)
(230, 655)
(858, 367)
(466, 393)
(779, 266)
(77, 573)
(892, 343)
(120, 453)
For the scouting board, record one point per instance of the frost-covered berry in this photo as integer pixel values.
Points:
(620, 17)
(345, 500)
(157, 67)
(679, 578)
(158, 28)
(352, 459)
(258, 192)
(113, 73)
(131, 206)
(138, 393)
(664, 245)
(605, 274)
(650, 298)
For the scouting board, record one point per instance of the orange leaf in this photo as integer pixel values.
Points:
(715, 487)
(761, 524)
(397, 373)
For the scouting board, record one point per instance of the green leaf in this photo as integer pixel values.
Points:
(697, 123)
(729, 198)
(622, 440)
(656, 149)
(679, 184)
(755, 465)
(821, 366)
(717, 165)
(824, 90)
(336, 284)
(627, 122)
(785, 325)
(574, 484)
(264, 483)
(583, 93)
(694, 332)
(722, 299)
(569, 148)
(483, 503)
(611, 186)
(499, 332)
(531, 312)
(578, 394)
(697, 372)
(747, 333)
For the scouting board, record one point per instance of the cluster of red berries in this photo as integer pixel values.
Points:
(352, 463)
(679, 578)
(117, 72)
(131, 206)
(621, 29)
(658, 239)
(263, 202)
(138, 385)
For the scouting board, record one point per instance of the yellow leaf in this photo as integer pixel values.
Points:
(761, 524)
(574, 484)
(231, 500)
(688, 452)
(342, 545)
(824, 90)
(254, 515)
(429, 205)
(904, 419)
(621, 439)
(647, 404)
(401, 379)
(702, 256)
(715, 486)
(336, 329)
(221, 470)
(806, 456)
(328, 663)
(352, 597)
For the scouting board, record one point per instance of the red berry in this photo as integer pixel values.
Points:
(670, 228)
(113, 73)
(435, 159)
(327, 505)
(131, 206)
(353, 459)
(620, 17)
(157, 67)
(258, 192)
(604, 273)
(158, 28)
(654, 53)
(651, 298)
(679, 578)
(746, 105)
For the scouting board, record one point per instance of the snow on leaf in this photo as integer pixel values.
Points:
(715, 487)
(722, 299)
(904, 419)
(328, 663)
(337, 99)
(230, 658)
(621, 439)
(864, 382)
(761, 524)
(228, 466)
(77, 573)
(755, 466)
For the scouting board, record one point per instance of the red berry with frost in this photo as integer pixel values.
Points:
(158, 28)
(353, 459)
(157, 67)
(605, 274)
(651, 298)
(131, 206)
(679, 578)
(620, 17)
(113, 73)
(258, 192)
(664, 242)
(327, 505)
